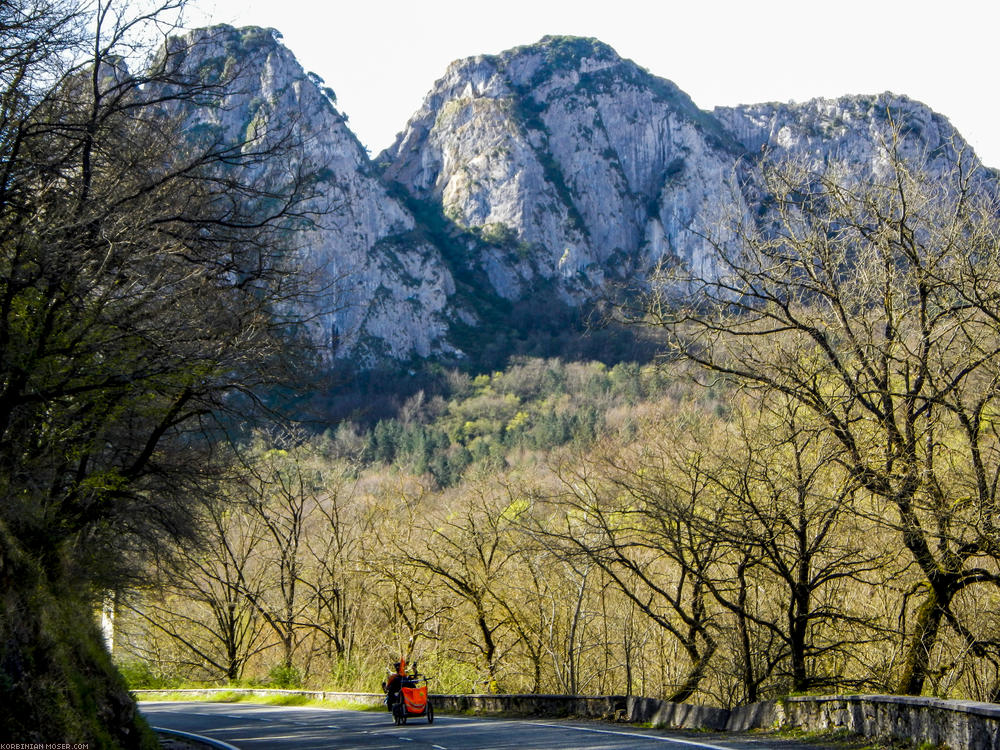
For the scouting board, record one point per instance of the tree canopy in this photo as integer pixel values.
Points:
(872, 301)
(145, 288)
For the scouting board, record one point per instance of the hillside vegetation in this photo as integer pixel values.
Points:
(553, 527)
(803, 497)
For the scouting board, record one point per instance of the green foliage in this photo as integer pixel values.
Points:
(290, 700)
(498, 233)
(451, 676)
(57, 679)
(140, 675)
(533, 405)
(285, 676)
(564, 53)
(350, 675)
(212, 68)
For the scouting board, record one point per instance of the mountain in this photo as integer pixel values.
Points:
(596, 167)
(385, 291)
(602, 170)
(530, 183)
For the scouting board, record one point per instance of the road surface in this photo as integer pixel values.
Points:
(254, 727)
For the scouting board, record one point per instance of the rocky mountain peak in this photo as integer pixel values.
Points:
(552, 174)
(567, 63)
(531, 65)
(851, 127)
(594, 167)
(382, 291)
(557, 59)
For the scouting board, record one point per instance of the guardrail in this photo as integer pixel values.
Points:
(961, 725)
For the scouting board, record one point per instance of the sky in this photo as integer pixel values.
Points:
(382, 56)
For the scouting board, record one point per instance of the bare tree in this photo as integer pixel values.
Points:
(201, 596)
(469, 549)
(641, 528)
(871, 301)
(280, 491)
(337, 577)
(144, 283)
(785, 511)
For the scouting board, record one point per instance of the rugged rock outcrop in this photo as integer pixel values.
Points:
(382, 291)
(556, 171)
(852, 128)
(597, 168)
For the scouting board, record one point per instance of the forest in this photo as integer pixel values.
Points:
(798, 495)
(558, 527)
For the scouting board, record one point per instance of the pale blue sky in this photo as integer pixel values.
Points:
(382, 56)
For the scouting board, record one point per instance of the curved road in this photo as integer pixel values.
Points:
(252, 727)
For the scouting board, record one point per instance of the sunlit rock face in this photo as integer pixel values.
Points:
(380, 290)
(597, 168)
(556, 171)
(599, 171)
(853, 129)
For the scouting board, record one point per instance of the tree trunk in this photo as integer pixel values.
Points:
(918, 654)
(749, 678)
(489, 651)
(798, 630)
(694, 676)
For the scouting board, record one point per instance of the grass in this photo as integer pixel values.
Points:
(271, 700)
(842, 739)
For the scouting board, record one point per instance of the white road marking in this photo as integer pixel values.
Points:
(197, 738)
(241, 717)
(495, 722)
(689, 743)
(270, 737)
(618, 732)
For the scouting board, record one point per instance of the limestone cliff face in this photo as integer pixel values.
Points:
(599, 169)
(554, 171)
(851, 128)
(384, 292)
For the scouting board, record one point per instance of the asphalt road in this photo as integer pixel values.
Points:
(252, 727)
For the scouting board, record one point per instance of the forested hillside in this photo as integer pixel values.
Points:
(554, 527)
(797, 494)
(800, 495)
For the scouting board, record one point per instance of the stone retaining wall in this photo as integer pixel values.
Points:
(960, 725)
(956, 724)
(551, 706)
(659, 713)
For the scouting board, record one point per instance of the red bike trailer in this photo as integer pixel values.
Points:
(412, 703)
